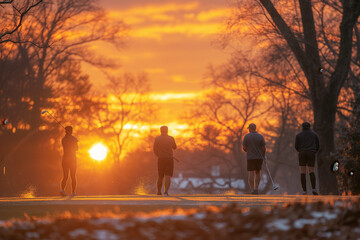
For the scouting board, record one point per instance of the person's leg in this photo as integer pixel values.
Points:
(73, 177)
(311, 166)
(303, 178)
(167, 183)
(256, 180)
(302, 165)
(160, 179)
(313, 180)
(159, 184)
(169, 169)
(251, 180)
(65, 176)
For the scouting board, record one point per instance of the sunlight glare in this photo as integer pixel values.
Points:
(98, 152)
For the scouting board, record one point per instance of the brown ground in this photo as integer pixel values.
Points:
(196, 217)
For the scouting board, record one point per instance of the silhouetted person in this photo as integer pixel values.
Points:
(163, 149)
(70, 146)
(307, 144)
(254, 146)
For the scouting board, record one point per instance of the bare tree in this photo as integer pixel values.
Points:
(18, 13)
(124, 112)
(63, 29)
(219, 120)
(294, 28)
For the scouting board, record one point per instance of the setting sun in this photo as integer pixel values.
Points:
(98, 152)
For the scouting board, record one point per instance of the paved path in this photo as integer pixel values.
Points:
(39, 206)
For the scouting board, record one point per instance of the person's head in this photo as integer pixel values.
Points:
(68, 129)
(164, 130)
(306, 125)
(252, 127)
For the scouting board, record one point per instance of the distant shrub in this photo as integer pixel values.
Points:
(348, 152)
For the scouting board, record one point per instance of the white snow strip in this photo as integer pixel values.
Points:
(78, 232)
(105, 235)
(116, 222)
(24, 225)
(279, 224)
(325, 234)
(200, 215)
(220, 225)
(101, 221)
(149, 233)
(300, 223)
(163, 218)
(32, 235)
(327, 215)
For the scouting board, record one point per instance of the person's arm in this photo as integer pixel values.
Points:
(245, 144)
(174, 144)
(264, 151)
(317, 142)
(155, 148)
(263, 147)
(297, 143)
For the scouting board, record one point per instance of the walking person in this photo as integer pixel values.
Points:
(307, 144)
(163, 149)
(254, 146)
(70, 146)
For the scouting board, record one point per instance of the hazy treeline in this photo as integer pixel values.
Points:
(41, 68)
(291, 62)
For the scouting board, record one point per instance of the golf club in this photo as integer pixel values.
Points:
(46, 111)
(272, 181)
(267, 168)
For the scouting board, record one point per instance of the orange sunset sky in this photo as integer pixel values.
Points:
(173, 41)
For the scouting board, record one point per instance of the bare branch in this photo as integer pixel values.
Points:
(22, 15)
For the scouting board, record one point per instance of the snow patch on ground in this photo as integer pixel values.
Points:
(104, 235)
(300, 223)
(116, 223)
(78, 232)
(31, 235)
(279, 224)
(220, 225)
(327, 215)
(200, 215)
(161, 219)
(325, 234)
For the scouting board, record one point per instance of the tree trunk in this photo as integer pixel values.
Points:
(37, 93)
(325, 128)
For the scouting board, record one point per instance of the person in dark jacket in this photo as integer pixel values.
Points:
(307, 144)
(163, 149)
(70, 146)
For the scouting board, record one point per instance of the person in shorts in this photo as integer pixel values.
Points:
(70, 146)
(163, 149)
(254, 146)
(307, 144)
